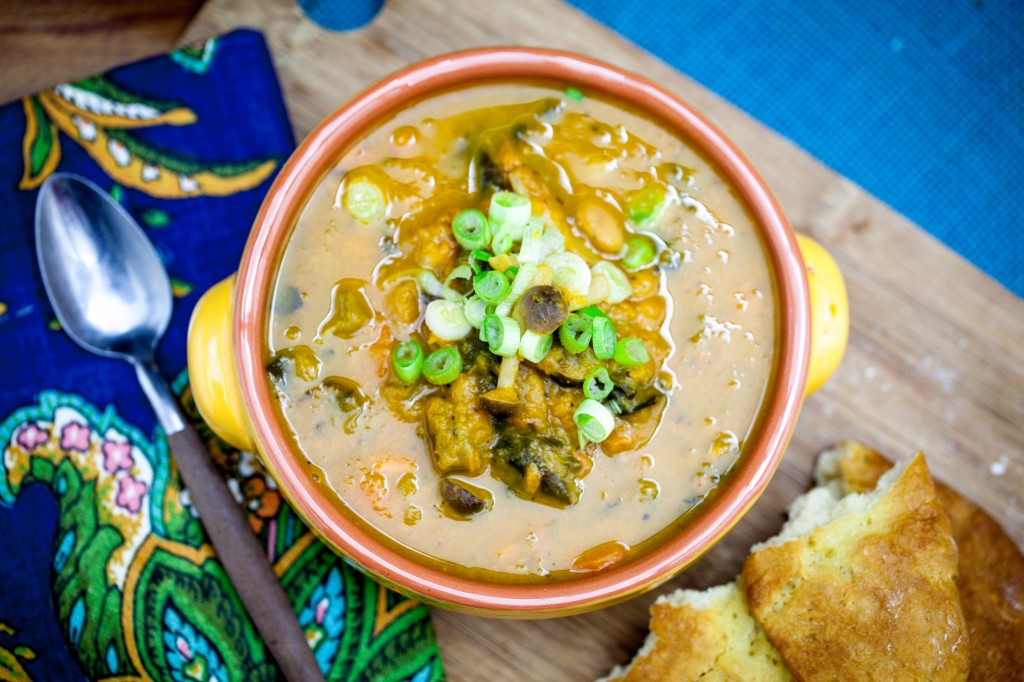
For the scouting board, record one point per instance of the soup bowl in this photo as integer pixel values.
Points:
(228, 339)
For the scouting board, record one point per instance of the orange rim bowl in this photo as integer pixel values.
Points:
(321, 150)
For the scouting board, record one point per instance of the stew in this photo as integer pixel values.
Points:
(521, 332)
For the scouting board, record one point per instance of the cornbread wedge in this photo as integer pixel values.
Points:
(707, 635)
(991, 567)
(856, 586)
(864, 587)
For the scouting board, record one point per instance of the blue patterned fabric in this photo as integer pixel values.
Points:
(105, 571)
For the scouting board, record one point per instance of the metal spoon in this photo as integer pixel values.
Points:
(112, 296)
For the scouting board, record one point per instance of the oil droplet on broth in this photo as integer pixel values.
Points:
(412, 515)
(407, 484)
(404, 136)
(725, 442)
(292, 333)
(649, 489)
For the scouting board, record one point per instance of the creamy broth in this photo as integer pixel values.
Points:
(707, 312)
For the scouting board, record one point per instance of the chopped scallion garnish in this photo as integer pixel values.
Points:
(598, 385)
(574, 94)
(552, 241)
(631, 351)
(491, 286)
(442, 366)
(503, 240)
(533, 237)
(575, 333)
(475, 309)
(477, 258)
(509, 210)
(471, 229)
(407, 360)
(447, 320)
(535, 346)
(592, 311)
(448, 290)
(619, 288)
(520, 284)
(646, 205)
(640, 252)
(603, 338)
(570, 273)
(501, 334)
(364, 200)
(593, 420)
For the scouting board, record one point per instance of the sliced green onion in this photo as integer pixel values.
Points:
(619, 287)
(461, 272)
(593, 420)
(598, 385)
(477, 259)
(429, 283)
(640, 252)
(631, 351)
(501, 334)
(646, 206)
(575, 333)
(407, 360)
(511, 272)
(574, 94)
(502, 242)
(471, 229)
(535, 346)
(604, 338)
(475, 309)
(552, 241)
(509, 209)
(570, 272)
(447, 320)
(491, 286)
(520, 284)
(442, 366)
(592, 311)
(533, 237)
(364, 200)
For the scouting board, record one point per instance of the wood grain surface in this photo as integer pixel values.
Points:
(936, 356)
(44, 42)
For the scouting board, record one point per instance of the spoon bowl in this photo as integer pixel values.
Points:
(110, 291)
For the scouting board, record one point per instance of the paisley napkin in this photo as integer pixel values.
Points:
(103, 562)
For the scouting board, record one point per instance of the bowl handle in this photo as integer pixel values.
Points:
(211, 365)
(830, 312)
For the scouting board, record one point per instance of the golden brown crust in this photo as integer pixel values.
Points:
(873, 590)
(718, 640)
(991, 568)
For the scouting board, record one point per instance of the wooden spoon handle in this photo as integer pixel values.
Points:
(243, 558)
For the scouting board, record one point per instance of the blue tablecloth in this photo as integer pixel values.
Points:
(921, 103)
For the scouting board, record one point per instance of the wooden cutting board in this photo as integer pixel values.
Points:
(936, 355)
